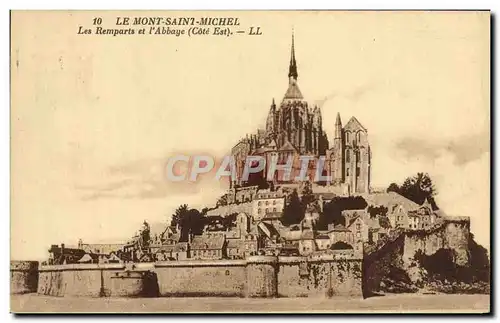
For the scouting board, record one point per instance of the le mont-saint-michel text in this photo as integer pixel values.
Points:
(169, 26)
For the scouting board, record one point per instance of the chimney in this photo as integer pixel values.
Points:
(62, 248)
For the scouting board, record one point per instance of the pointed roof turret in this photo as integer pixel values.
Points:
(338, 122)
(292, 70)
(338, 127)
(293, 92)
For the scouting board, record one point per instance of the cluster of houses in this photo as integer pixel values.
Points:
(85, 253)
(256, 227)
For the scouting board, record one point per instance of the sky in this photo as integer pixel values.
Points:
(94, 117)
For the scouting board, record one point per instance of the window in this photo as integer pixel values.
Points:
(267, 202)
(347, 137)
(274, 202)
(358, 137)
(348, 156)
(259, 211)
(259, 203)
(274, 209)
(357, 171)
(347, 171)
(358, 226)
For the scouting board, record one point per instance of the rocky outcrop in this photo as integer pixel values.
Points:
(436, 259)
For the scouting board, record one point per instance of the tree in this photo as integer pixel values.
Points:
(332, 211)
(190, 221)
(417, 188)
(293, 212)
(375, 211)
(307, 195)
(393, 187)
(179, 212)
(229, 221)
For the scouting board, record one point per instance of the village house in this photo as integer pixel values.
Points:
(170, 233)
(100, 248)
(358, 228)
(65, 255)
(242, 248)
(235, 249)
(397, 206)
(273, 218)
(241, 194)
(422, 218)
(266, 202)
(208, 246)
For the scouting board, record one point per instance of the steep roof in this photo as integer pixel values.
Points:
(86, 258)
(293, 92)
(351, 221)
(235, 244)
(287, 146)
(268, 230)
(208, 242)
(389, 200)
(353, 124)
(340, 228)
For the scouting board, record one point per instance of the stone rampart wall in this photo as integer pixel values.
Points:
(257, 276)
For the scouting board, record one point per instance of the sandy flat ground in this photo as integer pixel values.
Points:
(402, 303)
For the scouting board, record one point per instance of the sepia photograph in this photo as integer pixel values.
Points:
(250, 162)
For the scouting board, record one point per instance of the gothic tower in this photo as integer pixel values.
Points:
(357, 157)
(337, 153)
(295, 124)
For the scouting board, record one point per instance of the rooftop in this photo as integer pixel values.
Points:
(207, 242)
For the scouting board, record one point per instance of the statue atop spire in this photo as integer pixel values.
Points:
(292, 70)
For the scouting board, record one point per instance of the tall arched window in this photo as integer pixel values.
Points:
(347, 137)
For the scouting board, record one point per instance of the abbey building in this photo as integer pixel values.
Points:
(295, 128)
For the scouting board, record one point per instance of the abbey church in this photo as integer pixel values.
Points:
(294, 128)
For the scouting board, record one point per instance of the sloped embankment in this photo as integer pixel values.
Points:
(392, 267)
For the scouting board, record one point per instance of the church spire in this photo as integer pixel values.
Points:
(338, 127)
(292, 70)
